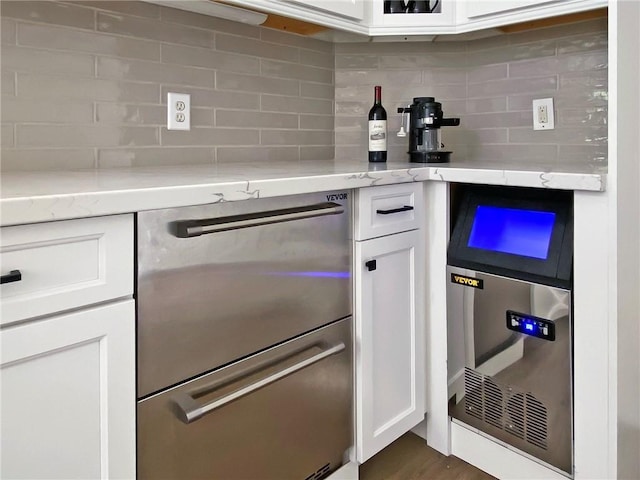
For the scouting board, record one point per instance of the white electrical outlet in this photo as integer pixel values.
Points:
(543, 118)
(178, 111)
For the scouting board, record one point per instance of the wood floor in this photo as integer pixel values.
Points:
(409, 458)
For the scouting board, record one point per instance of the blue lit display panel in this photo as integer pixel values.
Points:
(514, 231)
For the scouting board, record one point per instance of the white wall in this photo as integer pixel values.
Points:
(625, 238)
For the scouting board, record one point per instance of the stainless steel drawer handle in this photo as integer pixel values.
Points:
(406, 208)
(189, 410)
(12, 276)
(194, 228)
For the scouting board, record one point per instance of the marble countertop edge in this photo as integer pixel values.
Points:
(32, 197)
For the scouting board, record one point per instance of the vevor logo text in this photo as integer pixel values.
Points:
(336, 196)
(467, 281)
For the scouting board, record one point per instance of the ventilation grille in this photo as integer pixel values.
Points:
(320, 473)
(518, 413)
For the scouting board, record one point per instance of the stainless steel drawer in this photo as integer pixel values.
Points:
(284, 413)
(269, 270)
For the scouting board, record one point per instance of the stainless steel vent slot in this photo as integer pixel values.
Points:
(518, 413)
(320, 473)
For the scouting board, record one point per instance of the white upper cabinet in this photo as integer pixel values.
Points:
(489, 7)
(440, 20)
(367, 17)
(474, 15)
(347, 8)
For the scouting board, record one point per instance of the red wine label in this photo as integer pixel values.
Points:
(377, 135)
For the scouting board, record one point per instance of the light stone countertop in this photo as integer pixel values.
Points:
(30, 197)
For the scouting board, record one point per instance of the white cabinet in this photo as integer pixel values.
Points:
(462, 16)
(337, 14)
(68, 396)
(67, 372)
(64, 265)
(347, 8)
(476, 15)
(440, 21)
(492, 7)
(389, 322)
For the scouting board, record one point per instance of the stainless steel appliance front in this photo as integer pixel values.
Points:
(244, 334)
(510, 362)
(282, 414)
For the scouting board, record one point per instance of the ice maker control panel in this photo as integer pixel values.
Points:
(531, 325)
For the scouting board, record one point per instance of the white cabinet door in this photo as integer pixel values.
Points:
(347, 8)
(390, 369)
(490, 7)
(475, 14)
(68, 395)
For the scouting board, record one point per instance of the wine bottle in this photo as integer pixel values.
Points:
(377, 128)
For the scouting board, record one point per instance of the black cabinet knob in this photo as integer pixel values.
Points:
(371, 265)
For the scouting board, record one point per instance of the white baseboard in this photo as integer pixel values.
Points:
(349, 471)
(498, 460)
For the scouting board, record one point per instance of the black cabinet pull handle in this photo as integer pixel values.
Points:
(406, 208)
(371, 265)
(12, 276)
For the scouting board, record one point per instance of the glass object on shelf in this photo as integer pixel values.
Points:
(394, 6)
(428, 6)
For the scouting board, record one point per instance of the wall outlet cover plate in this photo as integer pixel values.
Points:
(178, 111)
(543, 118)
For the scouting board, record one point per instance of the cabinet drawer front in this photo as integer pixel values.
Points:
(388, 209)
(64, 265)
